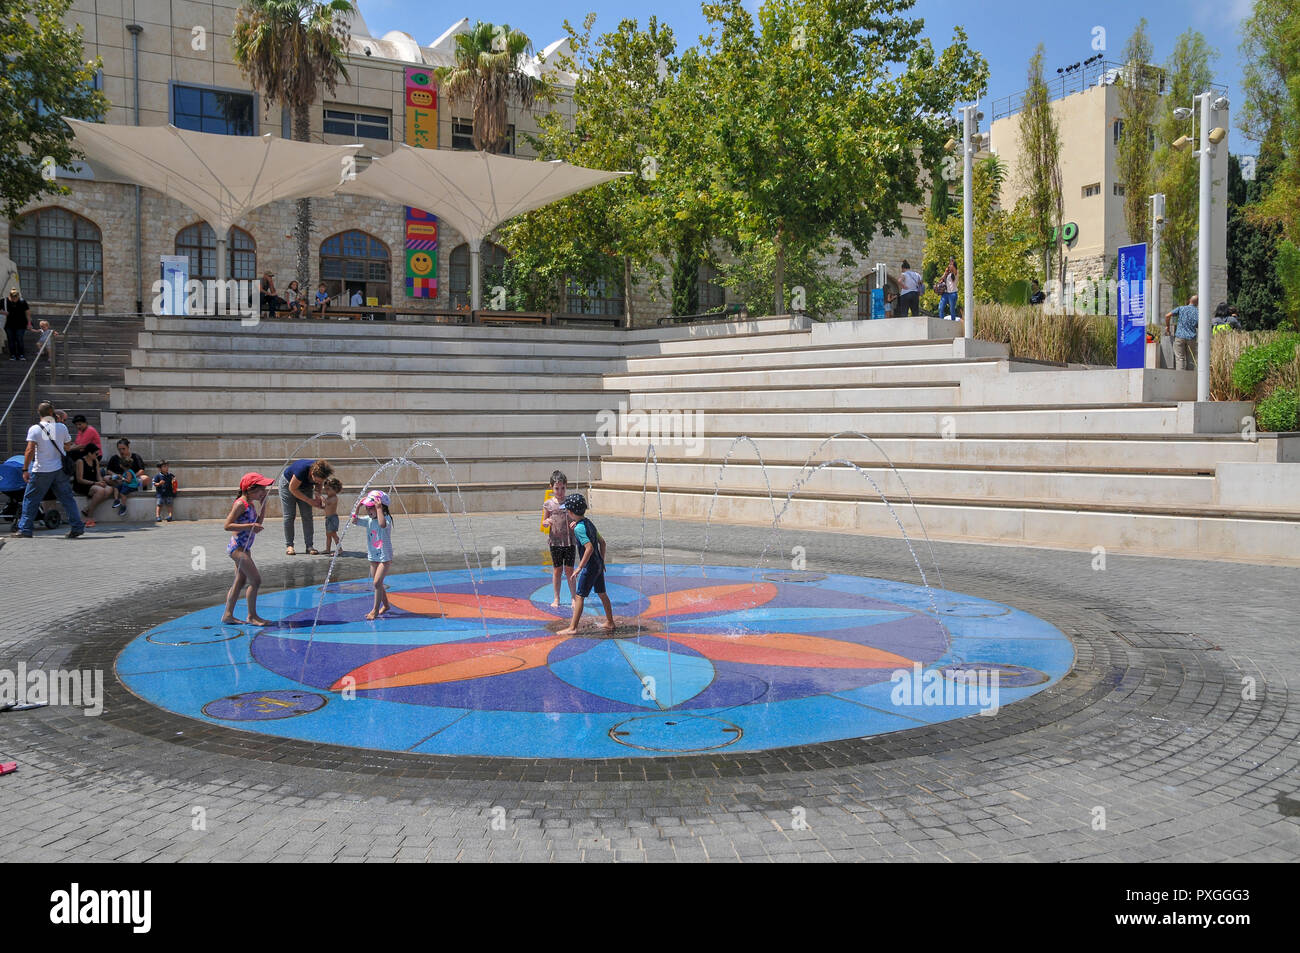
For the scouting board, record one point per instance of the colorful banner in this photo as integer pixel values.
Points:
(1131, 323)
(421, 227)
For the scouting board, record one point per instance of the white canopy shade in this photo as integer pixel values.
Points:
(473, 191)
(222, 178)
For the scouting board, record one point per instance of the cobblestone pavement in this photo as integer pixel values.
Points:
(1172, 739)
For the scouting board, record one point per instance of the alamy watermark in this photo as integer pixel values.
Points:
(952, 687)
(69, 689)
(209, 297)
(663, 428)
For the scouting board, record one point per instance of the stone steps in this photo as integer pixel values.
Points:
(347, 399)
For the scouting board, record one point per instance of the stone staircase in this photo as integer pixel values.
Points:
(90, 361)
(987, 448)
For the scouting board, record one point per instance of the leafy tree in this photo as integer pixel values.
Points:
(44, 79)
(1040, 167)
(1188, 72)
(1002, 239)
(618, 230)
(489, 70)
(288, 50)
(1253, 285)
(749, 278)
(1139, 98)
(1271, 113)
(815, 121)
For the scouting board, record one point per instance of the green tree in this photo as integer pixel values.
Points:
(44, 78)
(489, 71)
(1139, 98)
(1271, 113)
(1253, 286)
(617, 231)
(1040, 168)
(1002, 239)
(288, 50)
(749, 278)
(1188, 73)
(815, 121)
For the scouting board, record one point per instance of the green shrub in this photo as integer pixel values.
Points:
(1278, 412)
(1256, 363)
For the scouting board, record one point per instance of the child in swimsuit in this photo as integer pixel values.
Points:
(379, 546)
(245, 523)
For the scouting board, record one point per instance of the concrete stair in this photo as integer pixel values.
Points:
(966, 443)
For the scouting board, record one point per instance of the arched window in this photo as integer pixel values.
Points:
(199, 242)
(355, 261)
(57, 253)
(492, 262)
(602, 296)
(712, 295)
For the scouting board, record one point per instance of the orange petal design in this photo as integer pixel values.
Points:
(789, 649)
(712, 599)
(433, 664)
(466, 605)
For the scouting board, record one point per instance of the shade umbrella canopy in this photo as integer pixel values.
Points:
(222, 178)
(473, 191)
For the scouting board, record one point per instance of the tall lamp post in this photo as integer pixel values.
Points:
(970, 116)
(1211, 104)
(1157, 219)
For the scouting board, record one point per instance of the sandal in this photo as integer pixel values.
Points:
(289, 551)
(89, 523)
(313, 552)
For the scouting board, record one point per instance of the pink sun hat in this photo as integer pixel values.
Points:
(375, 498)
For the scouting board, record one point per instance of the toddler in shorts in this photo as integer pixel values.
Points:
(165, 488)
(330, 491)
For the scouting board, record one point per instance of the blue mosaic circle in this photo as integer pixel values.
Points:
(701, 659)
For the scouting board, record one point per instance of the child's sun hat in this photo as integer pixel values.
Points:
(375, 498)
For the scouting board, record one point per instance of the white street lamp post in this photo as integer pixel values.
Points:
(969, 121)
(1203, 265)
(1157, 219)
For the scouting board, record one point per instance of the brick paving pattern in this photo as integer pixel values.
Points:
(1174, 728)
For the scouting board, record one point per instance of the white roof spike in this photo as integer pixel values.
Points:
(447, 42)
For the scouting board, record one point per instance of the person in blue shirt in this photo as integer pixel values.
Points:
(1184, 333)
(590, 571)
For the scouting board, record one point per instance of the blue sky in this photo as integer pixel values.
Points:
(1006, 32)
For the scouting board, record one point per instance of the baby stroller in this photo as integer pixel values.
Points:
(13, 486)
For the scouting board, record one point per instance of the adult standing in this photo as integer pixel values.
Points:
(300, 479)
(909, 293)
(47, 442)
(1184, 333)
(17, 323)
(948, 291)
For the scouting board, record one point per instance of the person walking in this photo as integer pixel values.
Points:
(17, 323)
(1185, 333)
(948, 291)
(909, 293)
(299, 479)
(48, 442)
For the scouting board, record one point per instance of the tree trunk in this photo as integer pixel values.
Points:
(627, 290)
(302, 133)
(778, 291)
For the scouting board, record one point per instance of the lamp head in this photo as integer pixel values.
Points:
(1220, 103)
(1182, 113)
(1217, 135)
(1182, 143)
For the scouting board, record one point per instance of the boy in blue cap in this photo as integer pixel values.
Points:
(590, 571)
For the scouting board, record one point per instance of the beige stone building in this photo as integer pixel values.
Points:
(172, 60)
(1087, 111)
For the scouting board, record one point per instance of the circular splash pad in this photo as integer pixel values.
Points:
(702, 659)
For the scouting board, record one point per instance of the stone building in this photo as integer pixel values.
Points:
(170, 62)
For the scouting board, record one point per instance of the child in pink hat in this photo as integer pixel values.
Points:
(245, 522)
(379, 545)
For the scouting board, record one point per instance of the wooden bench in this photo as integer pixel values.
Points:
(367, 312)
(511, 317)
(608, 320)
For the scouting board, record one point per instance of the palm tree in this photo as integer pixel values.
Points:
(489, 71)
(288, 49)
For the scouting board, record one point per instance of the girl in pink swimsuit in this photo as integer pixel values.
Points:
(245, 522)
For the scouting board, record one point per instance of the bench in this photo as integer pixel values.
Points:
(511, 317)
(365, 312)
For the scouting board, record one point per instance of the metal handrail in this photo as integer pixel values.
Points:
(4, 418)
(1067, 84)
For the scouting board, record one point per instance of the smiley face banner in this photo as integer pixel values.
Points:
(421, 227)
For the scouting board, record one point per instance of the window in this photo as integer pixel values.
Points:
(1090, 190)
(339, 122)
(1117, 130)
(58, 253)
(199, 242)
(603, 296)
(462, 136)
(712, 296)
(492, 262)
(354, 261)
(223, 111)
(1117, 189)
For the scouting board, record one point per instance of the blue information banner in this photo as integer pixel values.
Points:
(877, 302)
(1131, 325)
